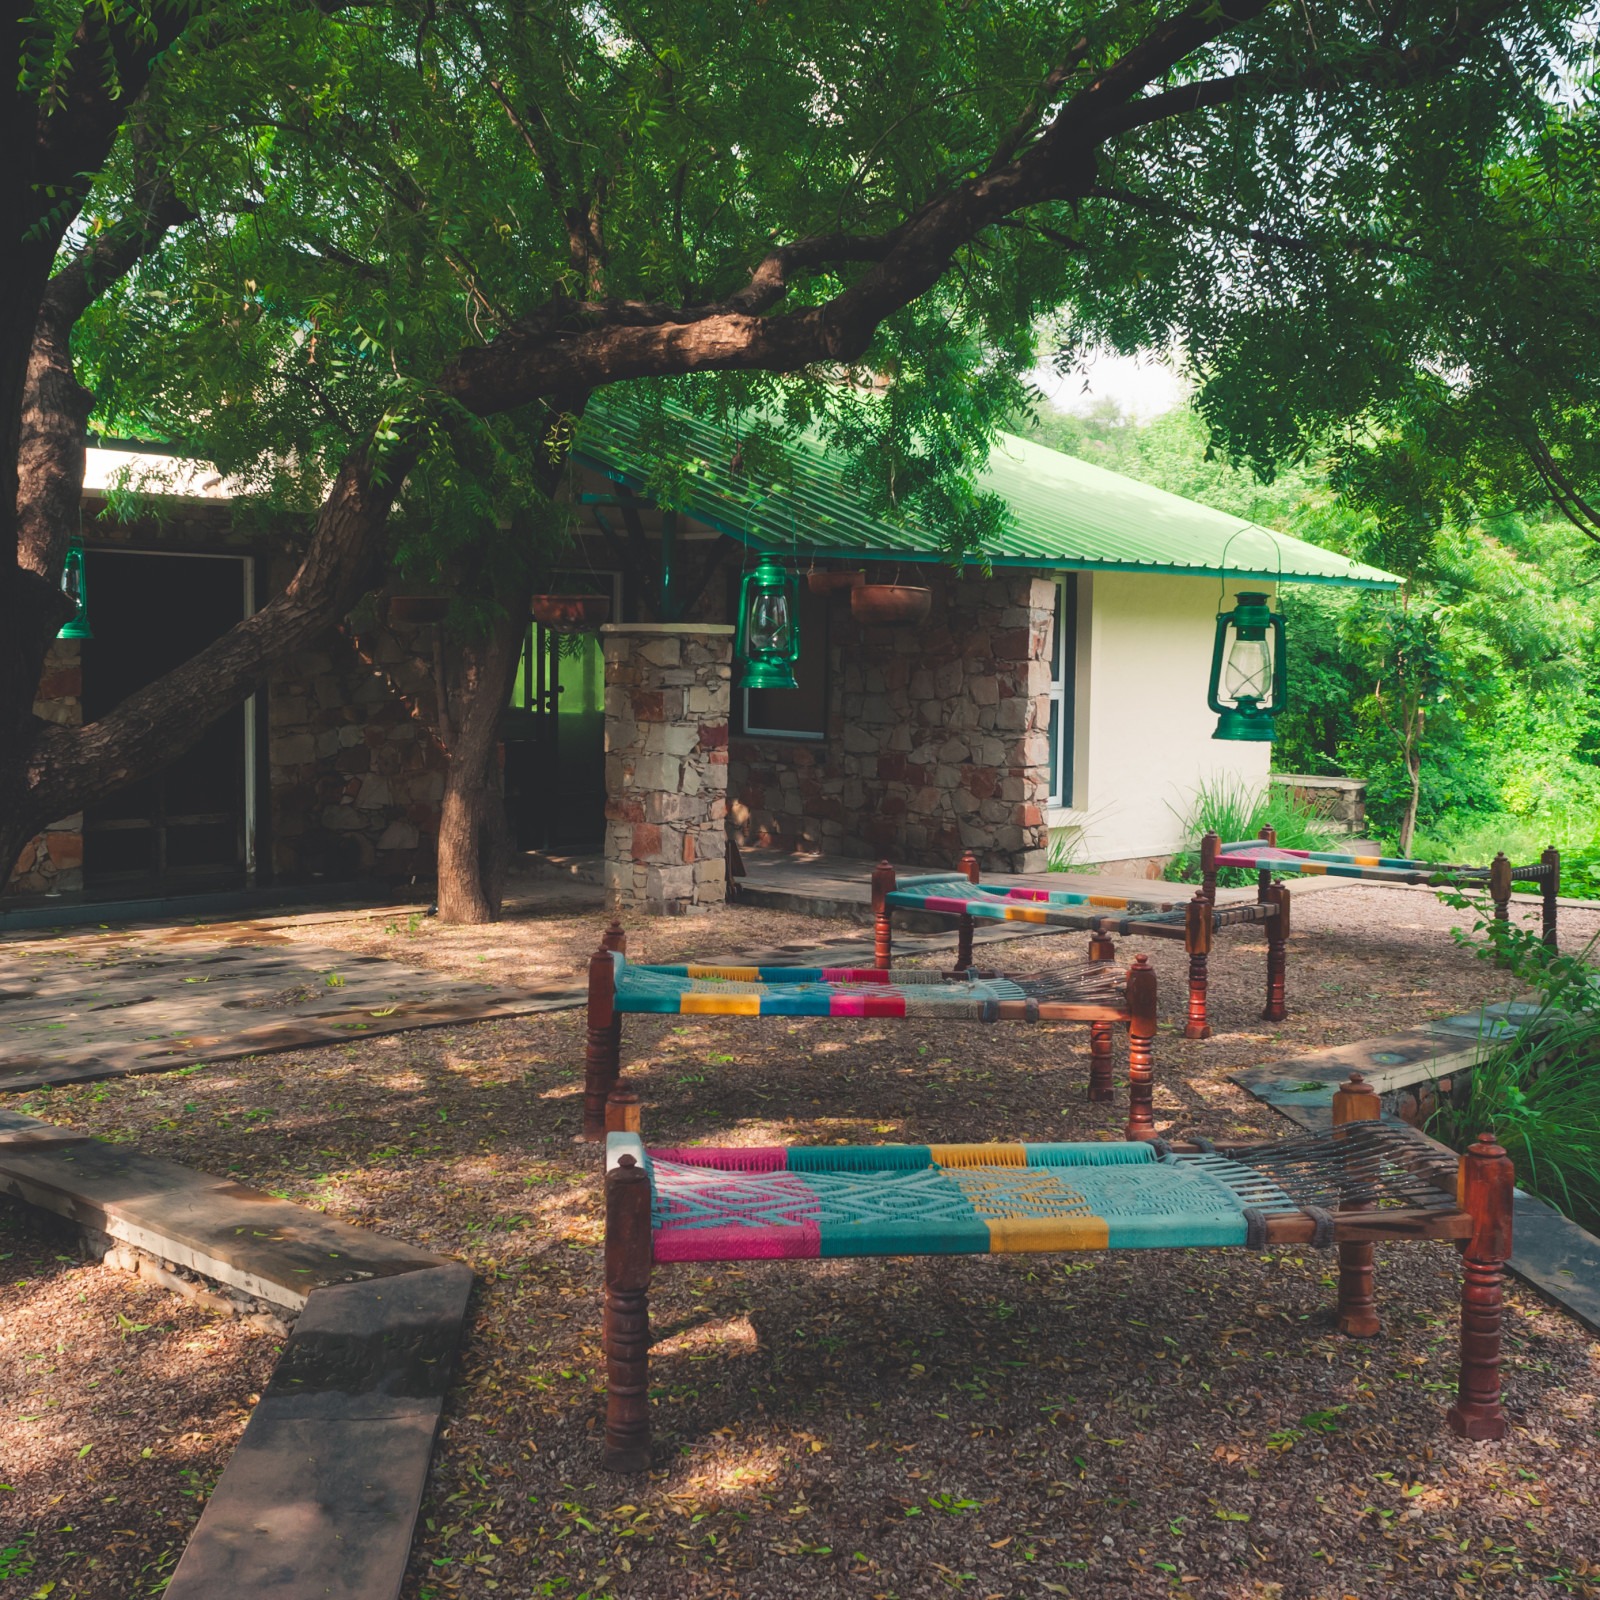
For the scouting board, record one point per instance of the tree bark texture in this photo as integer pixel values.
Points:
(475, 843)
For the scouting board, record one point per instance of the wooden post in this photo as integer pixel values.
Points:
(1102, 1083)
(626, 1325)
(1500, 890)
(1264, 879)
(602, 1056)
(1208, 865)
(1486, 1194)
(1102, 947)
(1277, 951)
(1197, 935)
(1357, 1315)
(623, 1112)
(964, 923)
(1141, 1050)
(1551, 888)
(882, 943)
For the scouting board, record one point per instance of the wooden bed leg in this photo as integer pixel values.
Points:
(1102, 1085)
(1141, 1050)
(882, 942)
(1500, 891)
(1197, 935)
(626, 1327)
(1277, 952)
(1551, 888)
(1357, 1314)
(964, 924)
(602, 1056)
(1486, 1193)
(623, 1112)
(1102, 947)
(1268, 835)
(1209, 844)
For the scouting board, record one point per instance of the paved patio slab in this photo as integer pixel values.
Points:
(79, 1010)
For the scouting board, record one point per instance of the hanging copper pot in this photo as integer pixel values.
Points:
(418, 607)
(890, 602)
(827, 582)
(571, 613)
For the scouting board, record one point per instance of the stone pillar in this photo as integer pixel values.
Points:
(667, 695)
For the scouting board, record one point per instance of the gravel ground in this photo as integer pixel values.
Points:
(121, 1405)
(1180, 1423)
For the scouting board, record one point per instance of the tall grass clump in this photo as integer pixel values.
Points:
(1539, 1093)
(1234, 808)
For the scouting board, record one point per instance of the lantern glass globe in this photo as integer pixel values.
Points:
(1249, 671)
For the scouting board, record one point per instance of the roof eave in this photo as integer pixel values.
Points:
(802, 552)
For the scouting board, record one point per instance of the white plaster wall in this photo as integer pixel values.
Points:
(1143, 737)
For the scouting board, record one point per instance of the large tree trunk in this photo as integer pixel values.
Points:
(475, 843)
(1413, 760)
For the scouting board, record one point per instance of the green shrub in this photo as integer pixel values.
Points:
(1236, 809)
(1539, 1093)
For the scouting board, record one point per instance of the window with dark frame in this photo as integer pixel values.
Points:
(1063, 675)
(801, 712)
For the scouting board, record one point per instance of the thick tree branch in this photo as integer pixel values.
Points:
(72, 767)
(1568, 501)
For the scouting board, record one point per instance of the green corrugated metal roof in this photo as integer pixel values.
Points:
(1067, 513)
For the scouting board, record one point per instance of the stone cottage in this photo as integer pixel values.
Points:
(1058, 695)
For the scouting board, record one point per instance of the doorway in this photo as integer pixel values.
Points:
(190, 826)
(555, 732)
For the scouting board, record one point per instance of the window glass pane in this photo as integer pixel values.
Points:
(802, 710)
(1055, 751)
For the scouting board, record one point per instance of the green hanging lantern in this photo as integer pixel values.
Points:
(1249, 670)
(768, 640)
(75, 586)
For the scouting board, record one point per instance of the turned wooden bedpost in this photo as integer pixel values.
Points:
(623, 1112)
(1268, 835)
(602, 1054)
(626, 1325)
(1209, 843)
(1486, 1194)
(1356, 1101)
(882, 943)
(964, 924)
(1500, 891)
(1551, 888)
(1141, 1050)
(1102, 1085)
(1277, 951)
(1197, 934)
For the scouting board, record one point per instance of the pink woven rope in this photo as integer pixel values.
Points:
(1027, 894)
(802, 1242)
(942, 902)
(726, 1158)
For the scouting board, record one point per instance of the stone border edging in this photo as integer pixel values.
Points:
(321, 1495)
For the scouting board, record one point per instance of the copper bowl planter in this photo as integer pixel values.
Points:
(417, 607)
(827, 582)
(571, 613)
(890, 602)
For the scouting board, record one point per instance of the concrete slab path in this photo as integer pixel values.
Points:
(321, 1495)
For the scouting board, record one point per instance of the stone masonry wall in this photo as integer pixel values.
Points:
(356, 777)
(52, 861)
(937, 736)
(667, 698)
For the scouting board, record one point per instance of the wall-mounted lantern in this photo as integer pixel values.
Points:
(75, 586)
(768, 640)
(1249, 670)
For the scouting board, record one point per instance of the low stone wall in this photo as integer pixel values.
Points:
(667, 697)
(1338, 800)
